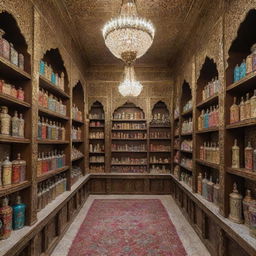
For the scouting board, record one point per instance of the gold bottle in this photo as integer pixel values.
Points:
(235, 156)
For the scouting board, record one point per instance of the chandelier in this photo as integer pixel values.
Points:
(128, 37)
(130, 87)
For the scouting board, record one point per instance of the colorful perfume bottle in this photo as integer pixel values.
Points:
(234, 112)
(19, 210)
(4, 46)
(236, 73)
(243, 69)
(7, 172)
(5, 220)
(253, 105)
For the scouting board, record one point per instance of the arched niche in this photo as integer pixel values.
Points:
(186, 94)
(13, 34)
(159, 113)
(207, 74)
(128, 111)
(53, 58)
(241, 46)
(97, 111)
(78, 97)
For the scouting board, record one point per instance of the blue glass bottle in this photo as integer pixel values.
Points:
(236, 73)
(18, 214)
(42, 68)
(242, 69)
(53, 78)
(206, 119)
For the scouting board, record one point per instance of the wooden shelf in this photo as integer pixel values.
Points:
(49, 113)
(187, 134)
(187, 113)
(52, 173)
(96, 162)
(245, 123)
(214, 129)
(160, 163)
(128, 120)
(97, 153)
(52, 142)
(77, 158)
(10, 139)
(129, 139)
(245, 84)
(77, 141)
(9, 100)
(97, 119)
(160, 138)
(176, 118)
(160, 151)
(208, 102)
(129, 151)
(143, 129)
(186, 151)
(176, 136)
(185, 167)
(96, 127)
(7, 190)
(208, 164)
(176, 148)
(77, 121)
(160, 126)
(242, 172)
(48, 85)
(11, 71)
(128, 164)
(96, 139)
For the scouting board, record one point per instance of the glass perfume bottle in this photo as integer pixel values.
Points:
(235, 201)
(23, 167)
(5, 121)
(5, 220)
(249, 64)
(13, 92)
(247, 107)
(21, 61)
(247, 202)
(234, 112)
(15, 125)
(242, 110)
(20, 94)
(248, 156)
(7, 172)
(21, 126)
(16, 168)
(235, 156)
(4, 46)
(204, 187)
(18, 214)
(210, 185)
(236, 73)
(14, 55)
(216, 193)
(253, 50)
(243, 69)
(199, 183)
(253, 105)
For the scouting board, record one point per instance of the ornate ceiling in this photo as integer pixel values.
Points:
(173, 19)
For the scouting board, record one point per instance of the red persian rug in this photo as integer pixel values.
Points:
(127, 228)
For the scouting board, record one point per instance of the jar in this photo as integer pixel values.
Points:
(235, 200)
(15, 125)
(5, 121)
(7, 172)
(13, 55)
(247, 202)
(4, 46)
(6, 220)
(21, 61)
(252, 220)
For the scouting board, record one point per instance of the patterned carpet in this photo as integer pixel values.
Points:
(139, 227)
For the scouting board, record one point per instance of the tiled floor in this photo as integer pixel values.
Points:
(189, 238)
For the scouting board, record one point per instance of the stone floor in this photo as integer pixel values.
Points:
(190, 240)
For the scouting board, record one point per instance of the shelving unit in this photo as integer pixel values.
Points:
(78, 120)
(53, 59)
(160, 136)
(207, 75)
(243, 131)
(186, 137)
(10, 146)
(97, 138)
(129, 140)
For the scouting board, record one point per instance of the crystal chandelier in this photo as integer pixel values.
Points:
(130, 87)
(128, 36)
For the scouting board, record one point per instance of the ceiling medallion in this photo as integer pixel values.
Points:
(128, 36)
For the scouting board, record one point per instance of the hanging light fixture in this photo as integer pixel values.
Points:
(128, 36)
(130, 87)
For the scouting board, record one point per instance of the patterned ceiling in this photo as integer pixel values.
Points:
(173, 19)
